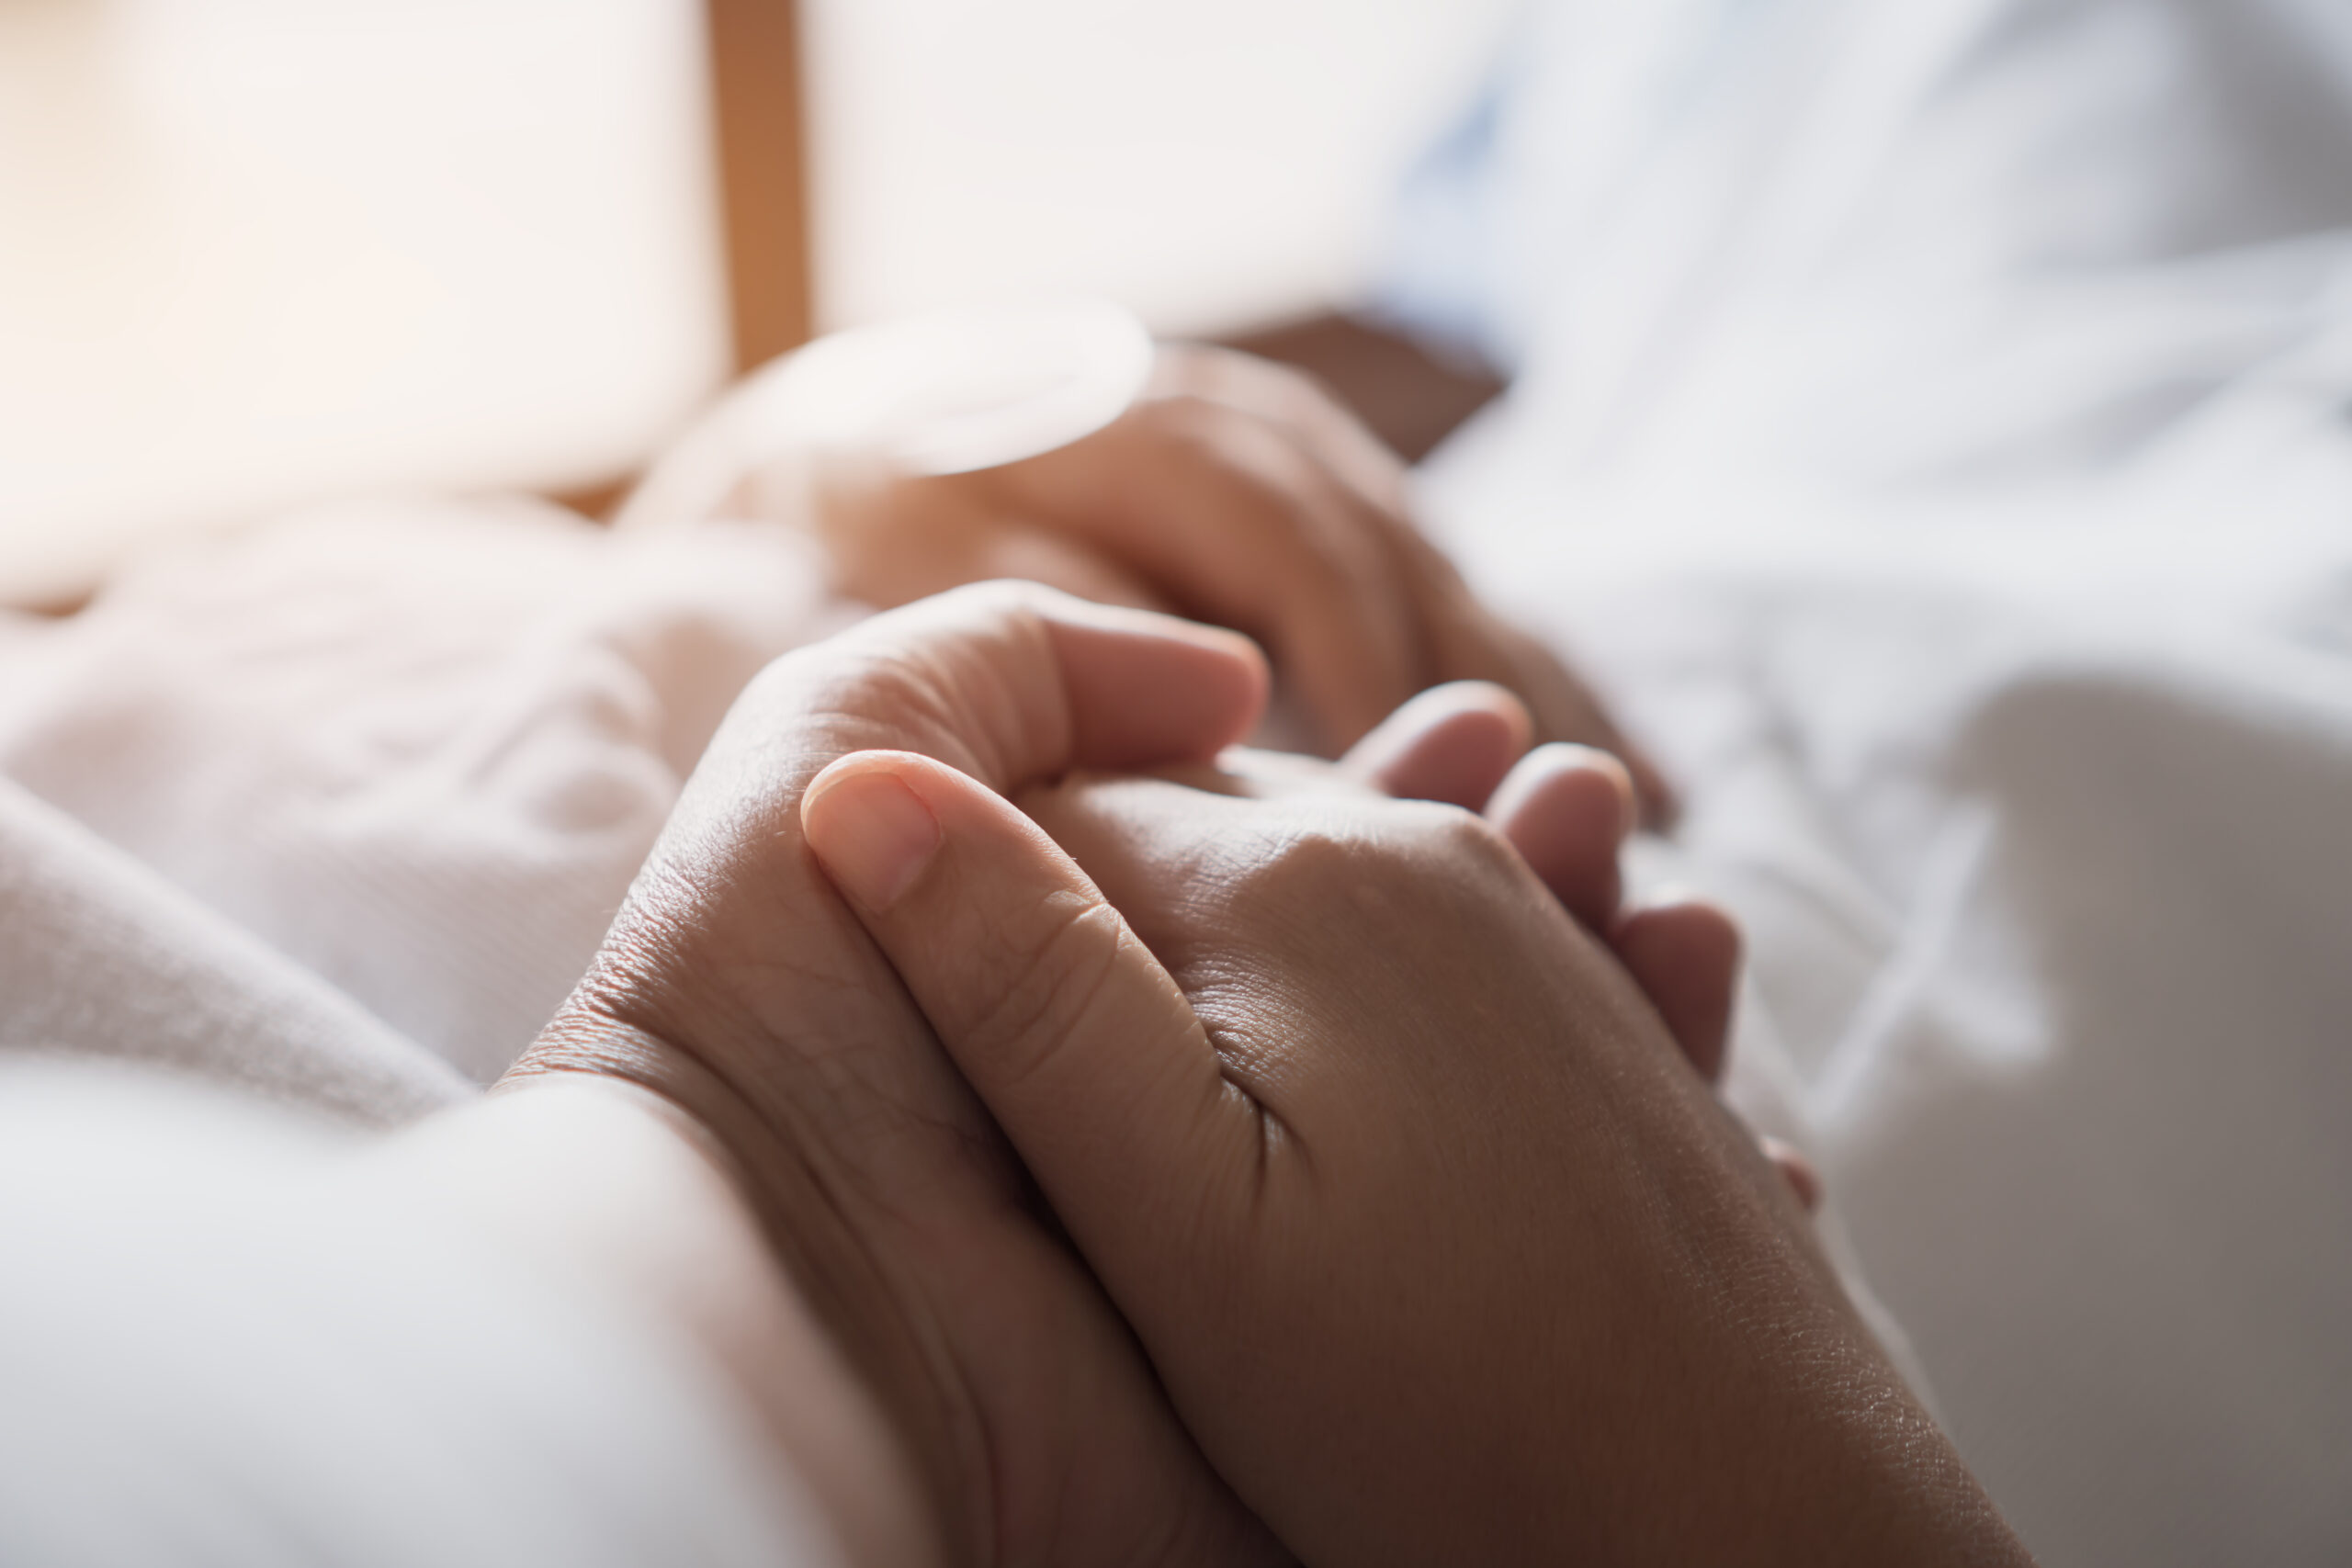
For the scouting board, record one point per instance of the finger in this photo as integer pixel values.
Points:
(1452, 743)
(1145, 688)
(1220, 514)
(1567, 809)
(1463, 640)
(1685, 956)
(1028, 554)
(1469, 641)
(1460, 637)
(1566, 709)
(1801, 1175)
(1076, 1039)
(893, 539)
(1297, 402)
(1013, 683)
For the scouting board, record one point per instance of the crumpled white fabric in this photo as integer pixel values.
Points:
(103, 961)
(223, 1344)
(418, 747)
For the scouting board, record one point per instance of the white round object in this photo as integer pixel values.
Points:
(946, 393)
(965, 389)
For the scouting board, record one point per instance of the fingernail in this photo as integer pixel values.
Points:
(874, 835)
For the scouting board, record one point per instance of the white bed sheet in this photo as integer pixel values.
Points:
(419, 747)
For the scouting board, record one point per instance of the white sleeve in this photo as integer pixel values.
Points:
(206, 1363)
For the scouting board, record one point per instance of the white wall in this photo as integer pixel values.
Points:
(1209, 162)
(255, 252)
(258, 253)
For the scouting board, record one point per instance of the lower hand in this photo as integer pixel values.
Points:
(1440, 1245)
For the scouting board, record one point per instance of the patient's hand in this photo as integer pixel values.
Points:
(1237, 492)
(1442, 1251)
(736, 983)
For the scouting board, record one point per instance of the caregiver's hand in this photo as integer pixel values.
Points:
(1235, 491)
(1442, 1252)
(736, 986)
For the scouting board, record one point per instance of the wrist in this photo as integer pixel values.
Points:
(1850, 1470)
(1797, 1440)
(627, 1185)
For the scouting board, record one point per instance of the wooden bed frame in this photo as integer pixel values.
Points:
(762, 135)
(1408, 398)
(764, 173)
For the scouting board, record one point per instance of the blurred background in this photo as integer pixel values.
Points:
(260, 252)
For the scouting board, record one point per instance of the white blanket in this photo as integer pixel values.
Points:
(104, 960)
(417, 748)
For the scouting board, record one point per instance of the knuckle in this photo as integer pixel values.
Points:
(992, 603)
(846, 678)
(1315, 846)
(1190, 427)
(1052, 980)
(1402, 838)
(921, 650)
(1462, 836)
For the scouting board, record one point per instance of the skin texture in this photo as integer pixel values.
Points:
(1439, 1245)
(1235, 492)
(739, 988)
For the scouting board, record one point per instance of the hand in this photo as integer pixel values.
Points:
(1441, 1247)
(1567, 810)
(1234, 490)
(736, 986)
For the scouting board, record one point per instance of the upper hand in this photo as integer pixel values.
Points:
(1236, 492)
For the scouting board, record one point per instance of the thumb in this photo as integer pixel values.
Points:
(1080, 1042)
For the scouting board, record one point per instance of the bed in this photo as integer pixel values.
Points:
(1963, 517)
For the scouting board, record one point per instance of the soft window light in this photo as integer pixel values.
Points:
(259, 252)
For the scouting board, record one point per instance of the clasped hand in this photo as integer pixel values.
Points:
(1240, 1162)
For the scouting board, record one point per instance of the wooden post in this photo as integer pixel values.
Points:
(761, 139)
(762, 164)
